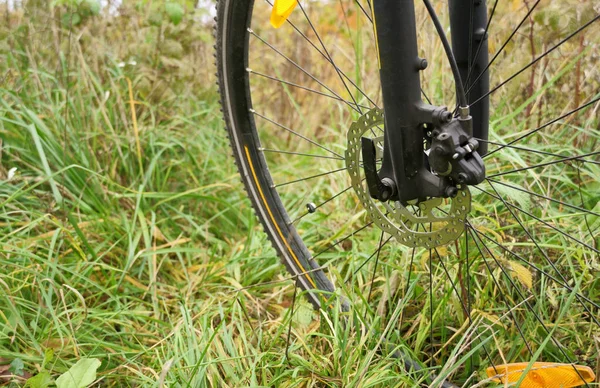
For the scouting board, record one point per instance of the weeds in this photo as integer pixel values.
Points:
(125, 235)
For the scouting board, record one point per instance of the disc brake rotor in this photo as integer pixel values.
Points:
(428, 224)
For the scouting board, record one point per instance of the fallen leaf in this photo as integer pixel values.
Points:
(16, 367)
(41, 380)
(80, 375)
(521, 272)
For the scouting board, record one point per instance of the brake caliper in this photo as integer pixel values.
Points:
(454, 152)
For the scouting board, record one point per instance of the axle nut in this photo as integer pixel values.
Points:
(451, 191)
(389, 189)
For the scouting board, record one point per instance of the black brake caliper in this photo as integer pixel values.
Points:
(454, 153)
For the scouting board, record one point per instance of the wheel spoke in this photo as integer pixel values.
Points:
(337, 69)
(466, 306)
(412, 260)
(530, 236)
(367, 14)
(487, 27)
(430, 307)
(295, 133)
(378, 251)
(310, 177)
(545, 164)
(322, 203)
(587, 224)
(512, 34)
(534, 267)
(502, 295)
(343, 239)
(589, 103)
(530, 308)
(300, 154)
(541, 221)
(301, 69)
(314, 46)
(586, 25)
(544, 197)
(337, 98)
(534, 151)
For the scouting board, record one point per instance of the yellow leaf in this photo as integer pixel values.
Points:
(492, 318)
(486, 230)
(542, 375)
(282, 9)
(521, 272)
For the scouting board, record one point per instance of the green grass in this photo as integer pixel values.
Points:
(125, 234)
(149, 259)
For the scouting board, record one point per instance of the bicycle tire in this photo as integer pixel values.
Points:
(233, 32)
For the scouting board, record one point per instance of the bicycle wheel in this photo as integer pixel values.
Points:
(516, 281)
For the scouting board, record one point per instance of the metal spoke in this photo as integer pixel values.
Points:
(343, 239)
(310, 177)
(531, 150)
(576, 157)
(537, 59)
(430, 307)
(587, 224)
(295, 133)
(322, 203)
(299, 153)
(412, 260)
(536, 316)
(289, 333)
(468, 270)
(381, 244)
(505, 44)
(514, 318)
(300, 68)
(538, 246)
(466, 308)
(534, 267)
(338, 71)
(470, 73)
(337, 98)
(544, 197)
(374, 269)
(541, 221)
(303, 35)
(591, 102)
(367, 14)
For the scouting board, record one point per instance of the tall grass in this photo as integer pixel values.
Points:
(125, 234)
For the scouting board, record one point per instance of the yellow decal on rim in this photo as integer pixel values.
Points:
(282, 9)
(542, 375)
(273, 218)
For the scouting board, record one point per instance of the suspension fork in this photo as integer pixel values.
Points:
(405, 173)
(468, 22)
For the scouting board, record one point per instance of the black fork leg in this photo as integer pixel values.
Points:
(468, 21)
(406, 173)
(403, 159)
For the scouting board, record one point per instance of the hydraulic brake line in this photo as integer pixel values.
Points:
(460, 89)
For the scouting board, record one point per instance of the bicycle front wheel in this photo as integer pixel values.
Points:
(519, 282)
